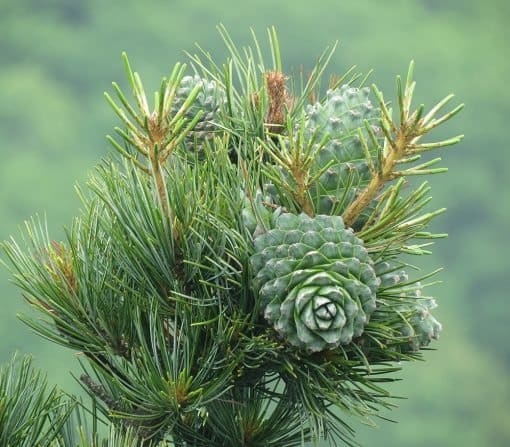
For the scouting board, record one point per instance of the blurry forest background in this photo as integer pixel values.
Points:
(58, 56)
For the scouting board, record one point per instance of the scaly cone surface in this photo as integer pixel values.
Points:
(208, 101)
(337, 122)
(413, 323)
(315, 280)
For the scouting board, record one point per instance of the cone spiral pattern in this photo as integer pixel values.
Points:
(315, 281)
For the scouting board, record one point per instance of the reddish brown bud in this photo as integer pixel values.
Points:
(279, 101)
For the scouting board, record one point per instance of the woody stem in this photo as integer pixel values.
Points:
(397, 150)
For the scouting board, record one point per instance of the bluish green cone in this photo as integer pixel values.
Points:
(340, 118)
(426, 327)
(420, 327)
(315, 280)
(331, 128)
(209, 100)
(413, 322)
(257, 213)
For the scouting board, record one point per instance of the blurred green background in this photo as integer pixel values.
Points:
(58, 56)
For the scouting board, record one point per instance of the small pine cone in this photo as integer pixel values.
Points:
(315, 281)
(209, 100)
(410, 318)
(339, 118)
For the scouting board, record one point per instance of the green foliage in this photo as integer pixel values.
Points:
(30, 413)
(196, 327)
(46, 151)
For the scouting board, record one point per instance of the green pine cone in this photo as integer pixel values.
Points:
(209, 100)
(315, 280)
(420, 327)
(257, 213)
(340, 118)
(423, 327)
(413, 322)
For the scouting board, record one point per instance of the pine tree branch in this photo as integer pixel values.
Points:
(216, 294)
(401, 143)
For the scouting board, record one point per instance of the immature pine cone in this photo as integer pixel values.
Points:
(315, 281)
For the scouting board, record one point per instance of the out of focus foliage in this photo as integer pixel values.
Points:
(57, 56)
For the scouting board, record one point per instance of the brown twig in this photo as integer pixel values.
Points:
(397, 151)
